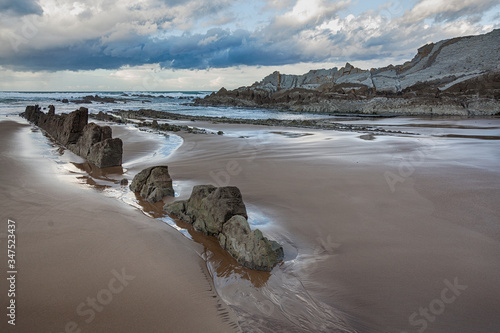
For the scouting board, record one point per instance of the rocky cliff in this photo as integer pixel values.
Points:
(459, 76)
(90, 141)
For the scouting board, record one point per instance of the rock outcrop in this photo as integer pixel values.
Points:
(220, 211)
(90, 141)
(249, 248)
(153, 183)
(440, 80)
(98, 147)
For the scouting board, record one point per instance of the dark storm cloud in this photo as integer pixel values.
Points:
(216, 49)
(286, 39)
(20, 7)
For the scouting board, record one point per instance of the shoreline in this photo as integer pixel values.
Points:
(73, 242)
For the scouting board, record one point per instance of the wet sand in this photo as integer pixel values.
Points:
(75, 244)
(375, 229)
(372, 229)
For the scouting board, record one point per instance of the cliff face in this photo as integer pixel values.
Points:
(455, 76)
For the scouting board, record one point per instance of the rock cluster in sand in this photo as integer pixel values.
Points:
(458, 76)
(220, 211)
(90, 141)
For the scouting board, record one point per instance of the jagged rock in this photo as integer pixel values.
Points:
(90, 141)
(249, 248)
(96, 145)
(107, 153)
(220, 211)
(64, 128)
(104, 116)
(442, 79)
(153, 183)
(91, 135)
(209, 207)
(178, 208)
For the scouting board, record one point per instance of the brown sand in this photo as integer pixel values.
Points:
(71, 239)
(359, 256)
(377, 255)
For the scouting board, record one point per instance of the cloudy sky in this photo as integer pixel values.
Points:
(206, 44)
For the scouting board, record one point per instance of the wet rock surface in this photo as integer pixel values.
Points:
(153, 184)
(220, 211)
(90, 141)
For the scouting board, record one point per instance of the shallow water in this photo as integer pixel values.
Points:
(15, 102)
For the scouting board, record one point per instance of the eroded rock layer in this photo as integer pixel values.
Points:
(90, 141)
(459, 76)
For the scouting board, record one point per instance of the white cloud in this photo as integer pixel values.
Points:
(310, 12)
(209, 40)
(445, 10)
(133, 38)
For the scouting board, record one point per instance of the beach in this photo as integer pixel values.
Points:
(381, 233)
(76, 246)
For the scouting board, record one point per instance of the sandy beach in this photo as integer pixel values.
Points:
(76, 246)
(381, 234)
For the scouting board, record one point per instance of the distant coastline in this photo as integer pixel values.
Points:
(453, 77)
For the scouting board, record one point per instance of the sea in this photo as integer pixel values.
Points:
(12, 103)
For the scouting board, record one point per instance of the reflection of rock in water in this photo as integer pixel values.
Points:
(99, 178)
(111, 174)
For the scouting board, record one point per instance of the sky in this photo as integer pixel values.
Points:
(165, 45)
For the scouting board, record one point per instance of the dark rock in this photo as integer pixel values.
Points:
(91, 135)
(153, 183)
(249, 248)
(124, 182)
(178, 208)
(72, 127)
(65, 100)
(90, 141)
(106, 153)
(220, 211)
(210, 207)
